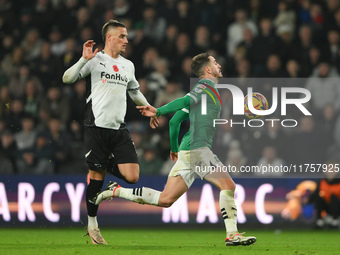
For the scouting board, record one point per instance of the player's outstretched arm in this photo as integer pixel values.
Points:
(72, 74)
(177, 104)
(147, 110)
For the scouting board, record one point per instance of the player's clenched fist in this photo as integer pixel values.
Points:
(88, 50)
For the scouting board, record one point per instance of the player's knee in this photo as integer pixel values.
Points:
(228, 185)
(133, 179)
(167, 202)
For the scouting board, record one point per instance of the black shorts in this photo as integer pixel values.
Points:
(102, 144)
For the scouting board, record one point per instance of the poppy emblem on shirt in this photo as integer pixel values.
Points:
(115, 68)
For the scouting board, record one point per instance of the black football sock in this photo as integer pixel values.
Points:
(92, 189)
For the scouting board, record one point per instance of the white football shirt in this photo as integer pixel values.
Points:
(107, 80)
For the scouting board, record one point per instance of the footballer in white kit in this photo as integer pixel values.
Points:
(108, 144)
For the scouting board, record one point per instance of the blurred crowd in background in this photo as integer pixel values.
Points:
(41, 119)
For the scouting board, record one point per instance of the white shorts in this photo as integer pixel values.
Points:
(194, 163)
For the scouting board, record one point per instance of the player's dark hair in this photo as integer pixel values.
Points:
(107, 25)
(198, 62)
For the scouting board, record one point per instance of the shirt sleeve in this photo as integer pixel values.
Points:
(197, 92)
(174, 127)
(138, 97)
(133, 83)
(174, 106)
(79, 70)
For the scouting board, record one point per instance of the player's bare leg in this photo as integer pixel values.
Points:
(95, 183)
(130, 171)
(174, 188)
(228, 208)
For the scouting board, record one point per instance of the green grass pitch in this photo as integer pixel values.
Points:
(164, 241)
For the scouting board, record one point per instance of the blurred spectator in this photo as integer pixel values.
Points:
(122, 9)
(43, 119)
(243, 73)
(45, 66)
(5, 102)
(202, 39)
(286, 38)
(183, 49)
(169, 41)
(60, 140)
(313, 60)
(149, 162)
(271, 160)
(275, 136)
(24, 22)
(285, 17)
(331, 51)
(183, 75)
(95, 9)
(44, 15)
(58, 45)
(317, 22)
(77, 102)
(56, 104)
(247, 42)
(71, 55)
(25, 138)
(69, 17)
(265, 44)
(273, 69)
(303, 11)
(32, 44)
(171, 92)
(2, 125)
(154, 26)
(18, 82)
(13, 120)
(332, 7)
(149, 60)
(235, 157)
(300, 50)
(157, 79)
(32, 98)
(11, 63)
(7, 153)
(326, 198)
(293, 69)
(305, 147)
(326, 128)
(235, 30)
(83, 18)
(336, 24)
(324, 88)
(183, 17)
(38, 160)
(77, 109)
(7, 45)
(160, 138)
